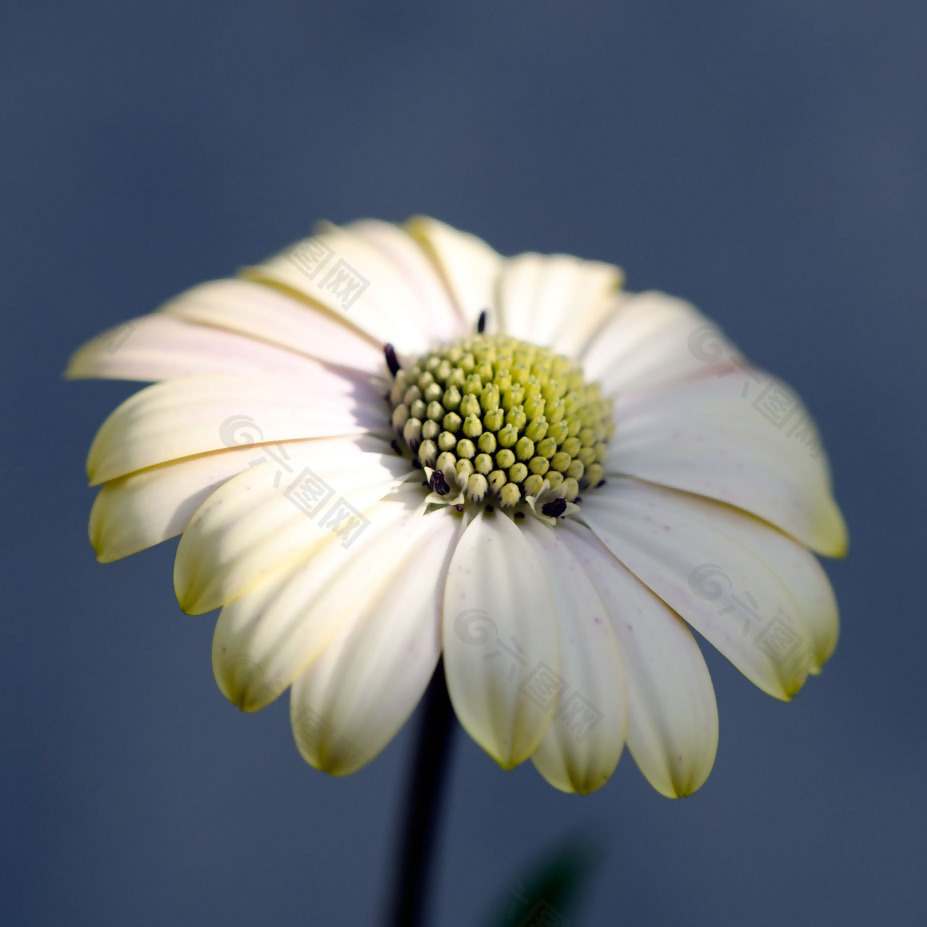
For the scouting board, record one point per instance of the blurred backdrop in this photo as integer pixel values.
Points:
(767, 161)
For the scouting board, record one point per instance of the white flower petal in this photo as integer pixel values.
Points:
(160, 347)
(279, 318)
(468, 266)
(793, 564)
(268, 637)
(673, 716)
(149, 506)
(436, 311)
(704, 437)
(195, 415)
(266, 517)
(726, 591)
(583, 744)
(499, 624)
(350, 702)
(651, 340)
(555, 300)
(348, 276)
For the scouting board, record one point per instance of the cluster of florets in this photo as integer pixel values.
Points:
(504, 417)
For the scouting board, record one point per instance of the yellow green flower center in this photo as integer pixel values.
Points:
(500, 417)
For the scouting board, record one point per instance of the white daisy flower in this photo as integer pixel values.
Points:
(389, 444)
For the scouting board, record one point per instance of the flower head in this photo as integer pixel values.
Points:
(389, 444)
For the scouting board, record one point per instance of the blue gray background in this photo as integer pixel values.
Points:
(767, 161)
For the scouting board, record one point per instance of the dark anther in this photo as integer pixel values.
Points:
(439, 484)
(481, 322)
(395, 446)
(489, 508)
(600, 484)
(391, 360)
(519, 514)
(554, 509)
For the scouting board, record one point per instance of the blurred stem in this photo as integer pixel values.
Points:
(422, 811)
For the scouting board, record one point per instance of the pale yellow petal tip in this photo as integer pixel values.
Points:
(334, 763)
(835, 538)
(187, 598)
(585, 786)
(683, 788)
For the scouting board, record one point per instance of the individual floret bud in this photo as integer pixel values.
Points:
(509, 495)
(451, 398)
(446, 461)
(412, 432)
(504, 458)
(546, 448)
(400, 417)
(487, 442)
(435, 411)
(518, 472)
(507, 436)
(466, 448)
(418, 409)
(570, 489)
(558, 431)
(489, 397)
(427, 453)
(561, 461)
(472, 427)
(497, 479)
(464, 469)
(477, 487)
(594, 474)
(469, 405)
(494, 420)
(446, 441)
(586, 455)
(516, 417)
(430, 430)
(483, 463)
(537, 428)
(524, 449)
(576, 470)
(452, 422)
(539, 465)
(571, 446)
(533, 484)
